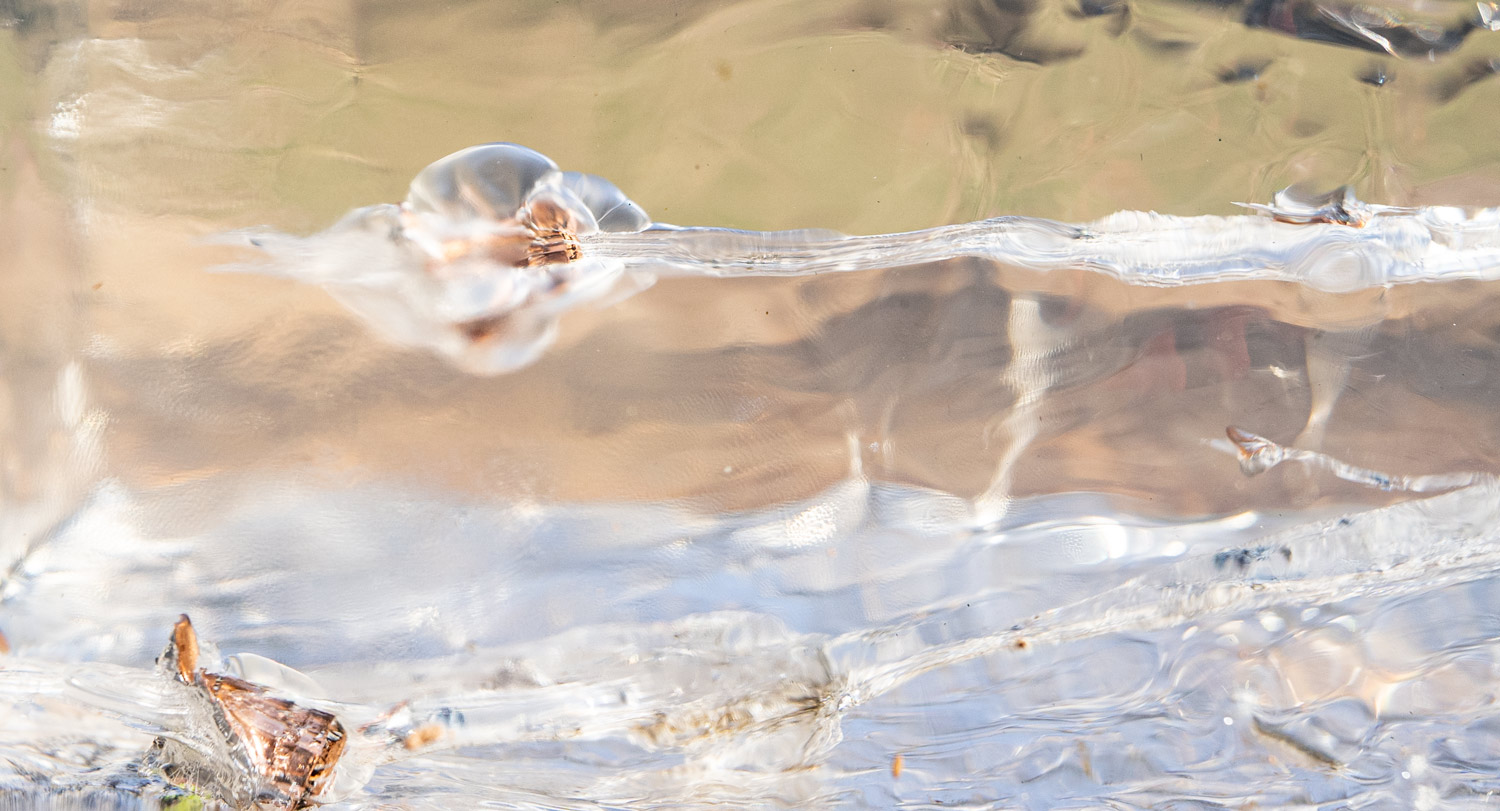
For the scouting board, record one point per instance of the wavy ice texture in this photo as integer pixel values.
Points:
(697, 705)
(494, 244)
(1115, 617)
(948, 512)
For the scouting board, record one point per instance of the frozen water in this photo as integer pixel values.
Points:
(494, 244)
(1033, 504)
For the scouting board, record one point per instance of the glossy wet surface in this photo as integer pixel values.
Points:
(957, 532)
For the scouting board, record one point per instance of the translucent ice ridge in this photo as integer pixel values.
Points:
(494, 243)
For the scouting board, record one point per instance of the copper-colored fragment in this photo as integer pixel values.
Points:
(545, 233)
(1240, 437)
(295, 749)
(185, 641)
(422, 736)
(544, 215)
(897, 763)
(553, 247)
(481, 328)
(4, 643)
(1257, 454)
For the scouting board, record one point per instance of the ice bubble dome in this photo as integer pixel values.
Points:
(478, 262)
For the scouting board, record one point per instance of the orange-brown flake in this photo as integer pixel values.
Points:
(294, 749)
(482, 328)
(553, 247)
(423, 736)
(185, 641)
(544, 215)
(544, 233)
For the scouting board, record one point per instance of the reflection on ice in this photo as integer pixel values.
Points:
(974, 508)
(1020, 536)
(739, 693)
(960, 528)
(494, 244)
(1393, 31)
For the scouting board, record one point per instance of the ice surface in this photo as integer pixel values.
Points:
(494, 244)
(1020, 502)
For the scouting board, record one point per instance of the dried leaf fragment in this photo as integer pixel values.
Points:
(291, 749)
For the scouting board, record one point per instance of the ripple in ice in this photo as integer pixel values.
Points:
(494, 244)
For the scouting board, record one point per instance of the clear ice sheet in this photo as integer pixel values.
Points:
(494, 243)
(963, 527)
